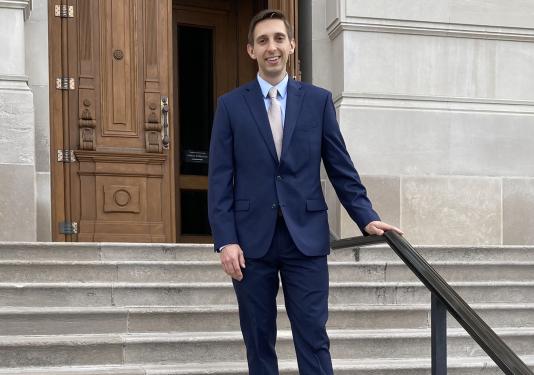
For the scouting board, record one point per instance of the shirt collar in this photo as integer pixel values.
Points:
(266, 86)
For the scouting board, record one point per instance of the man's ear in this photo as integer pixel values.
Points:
(250, 50)
(292, 44)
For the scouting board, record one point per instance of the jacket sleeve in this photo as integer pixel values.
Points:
(341, 171)
(220, 180)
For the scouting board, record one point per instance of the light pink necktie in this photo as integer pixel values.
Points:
(275, 120)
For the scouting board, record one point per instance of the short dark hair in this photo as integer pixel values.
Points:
(265, 15)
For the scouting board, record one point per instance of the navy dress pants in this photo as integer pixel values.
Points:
(305, 286)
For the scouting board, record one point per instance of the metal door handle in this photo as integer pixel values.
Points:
(165, 117)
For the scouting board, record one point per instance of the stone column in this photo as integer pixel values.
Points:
(17, 138)
(36, 30)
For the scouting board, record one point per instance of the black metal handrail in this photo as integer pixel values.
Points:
(444, 298)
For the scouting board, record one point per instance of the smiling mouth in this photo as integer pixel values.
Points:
(273, 60)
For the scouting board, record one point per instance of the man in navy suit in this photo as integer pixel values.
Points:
(266, 207)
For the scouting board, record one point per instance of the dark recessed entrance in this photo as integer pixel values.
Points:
(210, 58)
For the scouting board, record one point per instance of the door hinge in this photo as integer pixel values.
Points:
(68, 228)
(65, 83)
(64, 11)
(66, 156)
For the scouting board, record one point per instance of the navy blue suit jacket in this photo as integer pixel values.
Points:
(247, 183)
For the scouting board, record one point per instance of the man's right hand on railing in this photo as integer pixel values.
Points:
(379, 227)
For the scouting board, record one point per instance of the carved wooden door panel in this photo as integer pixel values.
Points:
(117, 53)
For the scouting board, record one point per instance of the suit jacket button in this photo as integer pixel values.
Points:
(278, 177)
(274, 205)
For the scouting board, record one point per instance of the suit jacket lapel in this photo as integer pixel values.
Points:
(293, 105)
(254, 99)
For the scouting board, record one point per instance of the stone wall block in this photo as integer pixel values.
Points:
(41, 102)
(322, 64)
(429, 66)
(319, 22)
(408, 140)
(16, 126)
(43, 206)
(487, 144)
(36, 35)
(451, 210)
(12, 41)
(332, 10)
(336, 58)
(17, 132)
(42, 128)
(384, 192)
(518, 211)
(36, 29)
(385, 141)
(512, 13)
(17, 202)
(42, 147)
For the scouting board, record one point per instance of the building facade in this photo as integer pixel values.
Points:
(435, 100)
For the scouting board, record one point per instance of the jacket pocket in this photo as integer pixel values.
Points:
(242, 205)
(316, 205)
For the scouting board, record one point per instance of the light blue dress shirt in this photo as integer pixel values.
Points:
(282, 94)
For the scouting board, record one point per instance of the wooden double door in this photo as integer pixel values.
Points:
(133, 90)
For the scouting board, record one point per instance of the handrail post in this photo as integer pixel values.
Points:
(438, 321)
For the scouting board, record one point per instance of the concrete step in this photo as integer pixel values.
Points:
(384, 253)
(101, 320)
(450, 271)
(190, 252)
(132, 309)
(202, 347)
(456, 366)
(345, 344)
(211, 271)
(202, 294)
(104, 251)
(111, 271)
(402, 293)
(94, 251)
(382, 366)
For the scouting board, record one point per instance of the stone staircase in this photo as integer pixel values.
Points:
(129, 309)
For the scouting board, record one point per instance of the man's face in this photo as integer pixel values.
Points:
(271, 49)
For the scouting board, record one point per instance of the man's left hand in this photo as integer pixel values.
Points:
(379, 227)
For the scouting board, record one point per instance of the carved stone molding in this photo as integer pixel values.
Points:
(25, 5)
(433, 103)
(429, 29)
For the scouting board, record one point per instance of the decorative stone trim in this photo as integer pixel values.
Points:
(26, 5)
(14, 82)
(9, 77)
(429, 29)
(441, 103)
